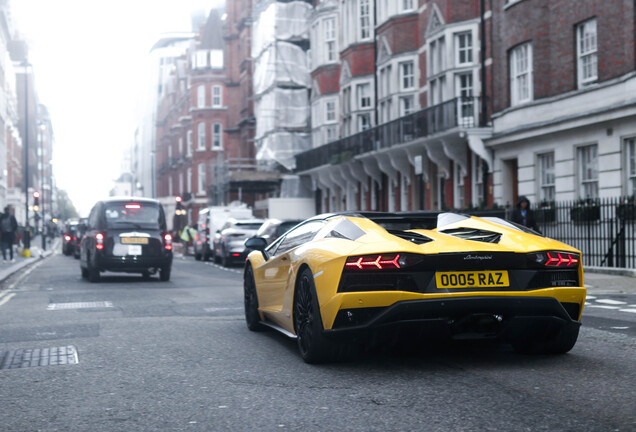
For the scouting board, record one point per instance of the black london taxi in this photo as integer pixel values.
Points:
(127, 234)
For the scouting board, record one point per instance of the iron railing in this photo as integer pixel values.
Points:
(455, 113)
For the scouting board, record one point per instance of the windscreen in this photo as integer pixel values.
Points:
(133, 215)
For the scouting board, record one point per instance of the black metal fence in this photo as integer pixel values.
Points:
(604, 230)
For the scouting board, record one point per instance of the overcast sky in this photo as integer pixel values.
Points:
(87, 56)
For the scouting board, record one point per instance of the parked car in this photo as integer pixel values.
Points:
(274, 228)
(70, 237)
(410, 277)
(211, 219)
(230, 242)
(80, 230)
(126, 235)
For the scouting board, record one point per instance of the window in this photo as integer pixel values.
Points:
(587, 70)
(330, 39)
(201, 96)
(588, 171)
(170, 186)
(464, 48)
(630, 148)
(407, 78)
(201, 178)
(437, 56)
(217, 136)
(298, 236)
(180, 146)
(331, 134)
(406, 5)
(521, 74)
(217, 97)
(330, 112)
(466, 103)
(545, 164)
(201, 59)
(346, 100)
(364, 122)
(216, 58)
(406, 105)
(189, 179)
(385, 81)
(189, 143)
(365, 19)
(201, 136)
(364, 95)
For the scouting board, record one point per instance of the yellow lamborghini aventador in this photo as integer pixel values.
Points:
(337, 279)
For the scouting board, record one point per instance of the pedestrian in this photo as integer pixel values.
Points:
(523, 215)
(8, 227)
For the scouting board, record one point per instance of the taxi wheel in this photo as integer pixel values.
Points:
(93, 273)
(250, 300)
(312, 344)
(164, 273)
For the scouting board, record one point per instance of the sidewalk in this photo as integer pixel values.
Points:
(9, 268)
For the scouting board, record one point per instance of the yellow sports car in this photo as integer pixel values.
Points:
(338, 279)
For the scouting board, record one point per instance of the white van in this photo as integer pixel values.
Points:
(211, 219)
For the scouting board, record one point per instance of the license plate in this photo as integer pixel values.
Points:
(134, 240)
(472, 279)
(134, 250)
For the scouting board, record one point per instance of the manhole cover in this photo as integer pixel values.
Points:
(23, 358)
(80, 305)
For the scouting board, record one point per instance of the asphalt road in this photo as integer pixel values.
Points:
(177, 356)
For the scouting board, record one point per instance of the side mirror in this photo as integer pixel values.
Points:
(256, 243)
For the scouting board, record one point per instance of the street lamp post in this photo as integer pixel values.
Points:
(42, 146)
(26, 237)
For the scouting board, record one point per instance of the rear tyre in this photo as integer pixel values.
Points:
(84, 272)
(164, 273)
(252, 318)
(93, 273)
(314, 347)
(197, 257)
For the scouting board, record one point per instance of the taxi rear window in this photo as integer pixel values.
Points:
(136, 215)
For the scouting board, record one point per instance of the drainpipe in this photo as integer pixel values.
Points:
(482, 52)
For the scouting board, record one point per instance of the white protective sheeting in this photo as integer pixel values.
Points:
(281, 64)
(279, 21)
(281, 109)
(281, 147)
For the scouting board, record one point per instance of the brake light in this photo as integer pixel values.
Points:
(555, 259)
(99, 238)
(133, 206)
(167, 242)
(380, 262)
(561, 259)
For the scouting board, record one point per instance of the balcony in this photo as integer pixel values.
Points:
(458, 113)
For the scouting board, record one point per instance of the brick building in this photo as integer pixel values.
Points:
(564, 100)
(410, 125)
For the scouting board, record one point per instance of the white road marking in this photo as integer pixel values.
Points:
(611, 302)
(628, 310)
(6, 299)
(590, 298)
(603, 307)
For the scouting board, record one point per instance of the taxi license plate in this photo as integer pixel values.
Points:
(472, 279)
(134, 249)
(134, 240)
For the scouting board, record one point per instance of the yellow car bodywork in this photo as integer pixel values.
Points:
(275, 277)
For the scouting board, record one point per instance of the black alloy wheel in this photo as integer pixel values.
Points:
(252, 318)
(314, 347)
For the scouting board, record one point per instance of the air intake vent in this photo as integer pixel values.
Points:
(411, 236)
(474, 234)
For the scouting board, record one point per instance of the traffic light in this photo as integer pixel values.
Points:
(36, 201)
(180, 210)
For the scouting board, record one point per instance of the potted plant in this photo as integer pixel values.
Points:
(586, 210)
(627, 208)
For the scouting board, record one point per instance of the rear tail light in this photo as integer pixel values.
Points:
(555, 259)
(381, 261)
(99, 241)
(167, 242)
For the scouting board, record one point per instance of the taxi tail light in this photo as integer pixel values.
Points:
(389, 261)
(167, 242)
(99, 241)
(67, 238)
(555, 259)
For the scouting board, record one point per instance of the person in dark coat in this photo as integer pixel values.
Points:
(523, 215)
(8, 226)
